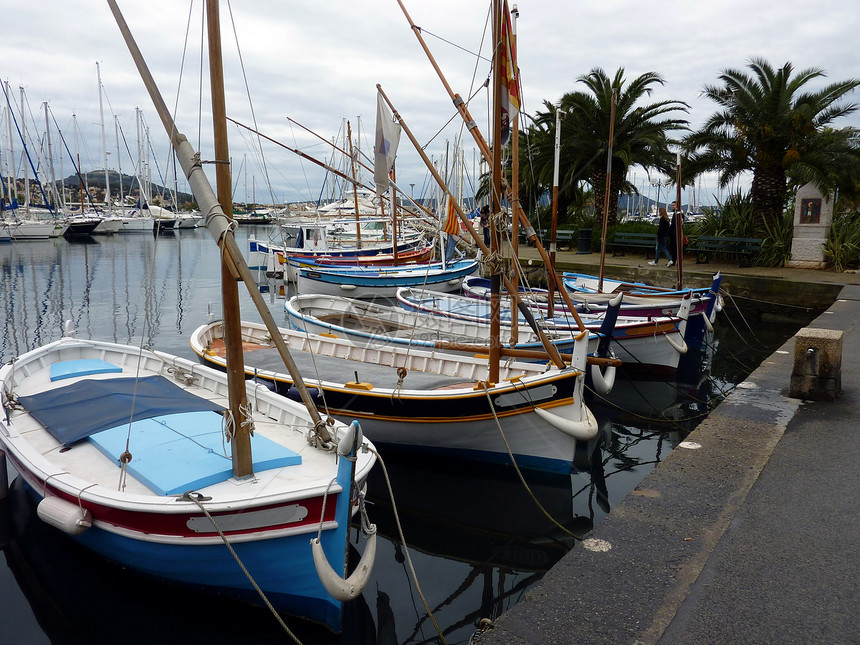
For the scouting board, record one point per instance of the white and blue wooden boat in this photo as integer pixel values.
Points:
(654, 343)
(585, 288)
(186, 473)
(704, 302)
(382, 281)
(125, 450)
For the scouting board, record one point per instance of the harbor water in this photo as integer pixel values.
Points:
(471, 540)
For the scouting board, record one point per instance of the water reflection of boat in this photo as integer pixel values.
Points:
(677, 403)
(484, 515)
(78, 597)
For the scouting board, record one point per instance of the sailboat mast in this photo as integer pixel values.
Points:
(495, 199)
(26, 166)
(608, 188)
(216, 221)
(11, 177)
(515, 179)
(242, 461)
(487, 154)
(551, 349)
(679, 226)
(118, 166)
(55, 197)
(104, 139)
(354, 188)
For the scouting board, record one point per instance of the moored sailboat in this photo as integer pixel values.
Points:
(183, 472)
(425, 400)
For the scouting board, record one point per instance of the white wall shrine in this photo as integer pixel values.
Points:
(813, 214)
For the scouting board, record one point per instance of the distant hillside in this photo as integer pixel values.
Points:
(96, 179)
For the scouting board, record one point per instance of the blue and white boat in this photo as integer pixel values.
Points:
(371, 323)
(706, 301)
(649, 343)
(183, 472)
(125, 450)
(382, 281)
(309, 240)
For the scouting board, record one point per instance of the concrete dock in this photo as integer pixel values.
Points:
(749, 532)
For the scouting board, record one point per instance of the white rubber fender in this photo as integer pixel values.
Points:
(708, 325)
(681, 347)
(603, 383)
(69, 518)
(352, 587)
(585, 430)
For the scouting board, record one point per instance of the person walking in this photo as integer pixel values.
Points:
(676, 219)
(485, 223)
(663, 227)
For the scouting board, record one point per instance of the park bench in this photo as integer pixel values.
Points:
(742, 247)
(622, 240)
(563, 237)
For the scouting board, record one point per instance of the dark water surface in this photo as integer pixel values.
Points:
(474, 534)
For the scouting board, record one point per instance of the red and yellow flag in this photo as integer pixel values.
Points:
(452, 223)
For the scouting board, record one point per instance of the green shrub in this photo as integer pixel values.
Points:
(776, 246)
(842, 249)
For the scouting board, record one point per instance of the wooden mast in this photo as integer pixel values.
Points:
(354, 186)
(216, 221)
(608, 188)
(679, 227)
(487, 154)
(495, 198)
(551, 350)
(515, 178)
(241, 450)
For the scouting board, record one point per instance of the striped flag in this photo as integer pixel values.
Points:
(452, 222)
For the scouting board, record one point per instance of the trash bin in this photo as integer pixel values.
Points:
(584, 240)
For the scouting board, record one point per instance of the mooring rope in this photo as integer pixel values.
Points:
(194, 497)
(519, 472)
(406, 547)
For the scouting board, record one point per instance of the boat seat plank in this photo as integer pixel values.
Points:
(175, 453)
(82, 367)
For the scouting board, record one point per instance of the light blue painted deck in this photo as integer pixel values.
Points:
(82, 367)
(175, 453)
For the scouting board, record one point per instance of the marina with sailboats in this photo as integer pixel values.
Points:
(642, 421)
(386, 419)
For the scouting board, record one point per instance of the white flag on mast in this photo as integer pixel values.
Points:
(385, 149)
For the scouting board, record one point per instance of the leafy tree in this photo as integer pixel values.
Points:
(641, 134)
(770, 124)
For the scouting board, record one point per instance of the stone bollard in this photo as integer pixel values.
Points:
(817, 372)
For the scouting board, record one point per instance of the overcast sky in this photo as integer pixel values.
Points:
(319, 62)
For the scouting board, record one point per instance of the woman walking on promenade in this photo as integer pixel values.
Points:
(662, 239)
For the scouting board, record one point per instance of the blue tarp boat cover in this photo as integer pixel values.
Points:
(79, 410)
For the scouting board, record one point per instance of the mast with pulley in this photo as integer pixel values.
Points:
(241, 423)
(218, 224)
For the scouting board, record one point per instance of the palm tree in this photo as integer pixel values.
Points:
(770, 125)
(641, 134)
